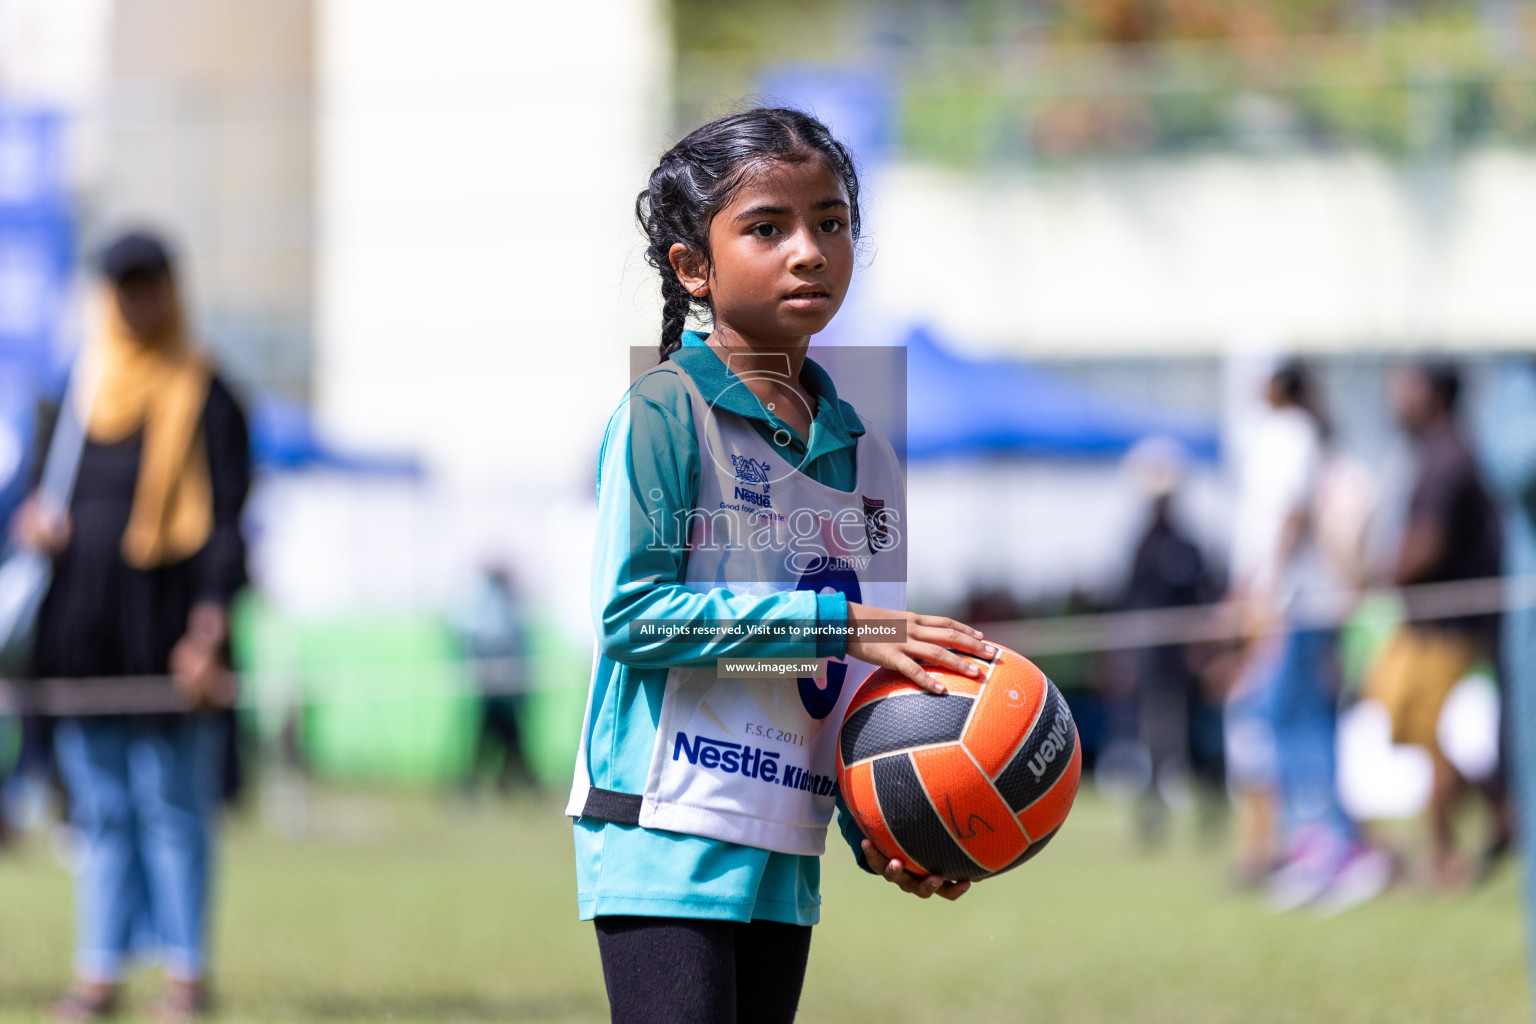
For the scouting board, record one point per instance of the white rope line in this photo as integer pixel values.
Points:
(1233, 620)
(1112, 631)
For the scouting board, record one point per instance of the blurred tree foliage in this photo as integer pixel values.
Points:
(986, 81)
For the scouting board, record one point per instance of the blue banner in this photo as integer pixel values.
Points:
(37, 257)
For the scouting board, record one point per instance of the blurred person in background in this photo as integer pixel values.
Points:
(1507, 436)
(1173, 713)
(1282, 717)
(1452, 533)
(490, 626)
(146, 564)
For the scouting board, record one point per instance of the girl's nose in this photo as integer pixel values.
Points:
(808, 255)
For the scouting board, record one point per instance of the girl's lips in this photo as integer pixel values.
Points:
(808, 300)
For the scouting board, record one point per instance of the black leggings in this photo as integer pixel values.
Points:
(670, 970)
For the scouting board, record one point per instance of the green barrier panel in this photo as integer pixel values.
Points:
(390, 701)
(268, 649)
(388, 698)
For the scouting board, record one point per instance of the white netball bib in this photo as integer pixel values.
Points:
(753, 761)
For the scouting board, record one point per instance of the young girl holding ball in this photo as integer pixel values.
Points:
(701, 803)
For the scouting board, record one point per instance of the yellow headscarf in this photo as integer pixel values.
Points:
(157, 385)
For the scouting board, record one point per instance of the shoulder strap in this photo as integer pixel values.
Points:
(676, 371)
(666, 367)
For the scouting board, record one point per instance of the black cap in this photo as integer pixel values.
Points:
(135, 254)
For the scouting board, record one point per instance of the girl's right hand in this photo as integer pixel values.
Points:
(38, 530)
(928, 637)
(921, 886)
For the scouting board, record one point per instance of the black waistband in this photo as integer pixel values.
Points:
(610, 805)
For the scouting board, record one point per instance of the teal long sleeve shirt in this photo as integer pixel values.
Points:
(648, 473)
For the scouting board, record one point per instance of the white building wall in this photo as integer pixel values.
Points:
(1196, 256)
(478, 269)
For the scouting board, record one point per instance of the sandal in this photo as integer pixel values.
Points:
(85, 1002)
(181, 1002)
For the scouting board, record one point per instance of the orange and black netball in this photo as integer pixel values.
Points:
(965, 784)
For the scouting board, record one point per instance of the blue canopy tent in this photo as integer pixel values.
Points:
(962, 406)
(283, 436)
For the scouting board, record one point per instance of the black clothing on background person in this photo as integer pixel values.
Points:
(103, 617)
(1174, 717)
(1448, 493)
(1168, 570)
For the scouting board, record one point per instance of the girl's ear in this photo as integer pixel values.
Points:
(692, 269)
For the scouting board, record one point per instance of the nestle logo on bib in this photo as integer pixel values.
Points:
(727, 757)
(750, 470)
(750, 762)
(753, 498)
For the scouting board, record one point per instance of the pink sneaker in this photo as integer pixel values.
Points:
(1366, 873)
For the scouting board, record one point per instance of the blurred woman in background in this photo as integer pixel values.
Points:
(146, 564)
(1282, 717)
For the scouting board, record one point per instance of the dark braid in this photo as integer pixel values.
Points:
(697, 178)
(675, 304)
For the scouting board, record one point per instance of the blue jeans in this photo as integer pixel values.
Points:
(1302, 710)
(143, 798)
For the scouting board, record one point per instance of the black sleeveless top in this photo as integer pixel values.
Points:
(105, 618)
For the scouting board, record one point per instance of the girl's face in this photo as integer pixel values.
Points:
(782, 255)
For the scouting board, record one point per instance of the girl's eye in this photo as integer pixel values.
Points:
(831, 225)
(764, 230)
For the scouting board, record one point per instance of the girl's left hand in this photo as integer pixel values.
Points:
(929, 638)
(921, 886)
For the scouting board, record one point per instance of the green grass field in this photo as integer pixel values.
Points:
(407, 908)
